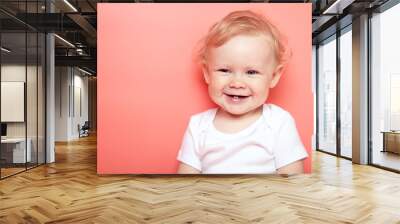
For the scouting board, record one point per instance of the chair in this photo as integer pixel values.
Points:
(84, 130)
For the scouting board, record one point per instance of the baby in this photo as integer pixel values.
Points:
(242, 58)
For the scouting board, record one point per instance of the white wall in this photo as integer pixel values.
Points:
(62, 81)
(16, 73)
(33, 127)
(13, 73)
(70, 84)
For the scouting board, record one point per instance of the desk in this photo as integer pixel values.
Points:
(15, 148)
(391, 141)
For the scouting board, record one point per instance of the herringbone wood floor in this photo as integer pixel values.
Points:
(70, 191)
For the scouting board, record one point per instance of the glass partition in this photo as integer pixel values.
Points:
(13, 103)
(22, 88)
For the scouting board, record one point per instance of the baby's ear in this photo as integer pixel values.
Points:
(276, 75)
(206, 75)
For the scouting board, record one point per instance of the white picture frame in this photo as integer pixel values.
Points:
(12, 101)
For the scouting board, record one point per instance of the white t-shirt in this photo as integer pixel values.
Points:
(267, 144)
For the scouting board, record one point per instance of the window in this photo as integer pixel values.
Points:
(385, 88)
(327, 96)
(346, 92)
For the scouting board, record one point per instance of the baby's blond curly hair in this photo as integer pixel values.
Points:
(244, 22)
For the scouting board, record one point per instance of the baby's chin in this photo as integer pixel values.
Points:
(238, 112)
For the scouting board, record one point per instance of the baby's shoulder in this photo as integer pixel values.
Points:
(275, 115)
(202, 119)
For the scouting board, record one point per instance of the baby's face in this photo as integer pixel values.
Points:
(240, 72)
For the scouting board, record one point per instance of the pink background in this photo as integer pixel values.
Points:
(149, 85)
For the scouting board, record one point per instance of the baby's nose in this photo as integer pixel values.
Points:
(237, 82)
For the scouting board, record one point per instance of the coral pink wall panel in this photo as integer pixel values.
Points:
(149, 84)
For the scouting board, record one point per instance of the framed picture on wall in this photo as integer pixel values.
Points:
(12, 101)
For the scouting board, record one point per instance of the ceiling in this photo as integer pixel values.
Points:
(76, 22)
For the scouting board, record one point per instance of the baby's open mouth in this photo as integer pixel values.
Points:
(237, 98)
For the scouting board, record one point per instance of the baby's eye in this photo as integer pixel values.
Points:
(224, 70)
(252, 72)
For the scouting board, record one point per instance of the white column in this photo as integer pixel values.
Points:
(50, 92)
(360, 90)
(50, 100)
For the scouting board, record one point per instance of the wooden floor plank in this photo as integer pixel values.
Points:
(70, 191)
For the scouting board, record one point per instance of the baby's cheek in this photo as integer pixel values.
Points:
(262, 95)
(214, 93)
